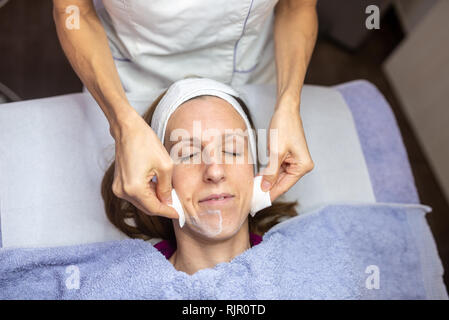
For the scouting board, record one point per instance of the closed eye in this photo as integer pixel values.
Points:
(233, 153)
(190, 156)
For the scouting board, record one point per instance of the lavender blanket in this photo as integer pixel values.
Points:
(337, 252)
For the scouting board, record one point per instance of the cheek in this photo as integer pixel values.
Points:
(183, 179)
(242, 178)
(243, 173)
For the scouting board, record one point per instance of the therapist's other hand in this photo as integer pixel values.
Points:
(139, 156)
(290, 159)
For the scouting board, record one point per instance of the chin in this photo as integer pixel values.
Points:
(227, 231)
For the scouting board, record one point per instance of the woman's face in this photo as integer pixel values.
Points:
(205, 138)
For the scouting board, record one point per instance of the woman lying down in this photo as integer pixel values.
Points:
(212, 245)
(209, 134)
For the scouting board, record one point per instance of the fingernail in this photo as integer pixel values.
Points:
(169, 200)
(266, 185)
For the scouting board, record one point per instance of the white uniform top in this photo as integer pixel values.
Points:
(157, 42)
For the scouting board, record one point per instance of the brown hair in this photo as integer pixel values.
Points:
(146, 227)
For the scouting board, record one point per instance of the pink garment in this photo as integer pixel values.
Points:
(167, 248)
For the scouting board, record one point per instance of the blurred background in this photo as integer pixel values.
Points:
(405, 58)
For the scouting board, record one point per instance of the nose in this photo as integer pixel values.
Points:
(214, 169)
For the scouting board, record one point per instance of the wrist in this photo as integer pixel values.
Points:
(122, 121)
(289, 100)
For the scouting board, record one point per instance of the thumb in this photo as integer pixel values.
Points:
(271, 173)
(164, 187)
(151, 206)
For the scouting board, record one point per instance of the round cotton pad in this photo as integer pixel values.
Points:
(178, 207)
(260, 199)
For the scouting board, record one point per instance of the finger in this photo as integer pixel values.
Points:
(150, 205)
(289, 175)
(284, 183)
(164, 186)
(271, 172)
(301, 163)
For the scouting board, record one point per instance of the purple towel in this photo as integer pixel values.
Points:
(381, 140)
(332, 253)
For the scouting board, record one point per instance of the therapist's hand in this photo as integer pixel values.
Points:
(290, 160)
(139, 156)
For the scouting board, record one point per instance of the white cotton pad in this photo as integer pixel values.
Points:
(178, 207)
(261, 199)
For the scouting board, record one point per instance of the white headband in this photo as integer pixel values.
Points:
(185, 89)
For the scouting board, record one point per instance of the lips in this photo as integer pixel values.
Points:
(217, 197)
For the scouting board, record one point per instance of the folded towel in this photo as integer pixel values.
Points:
(389, 169)
(376, 251)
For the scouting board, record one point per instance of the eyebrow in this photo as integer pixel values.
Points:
(191, 139)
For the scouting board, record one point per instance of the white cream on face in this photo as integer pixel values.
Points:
(208, 223)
